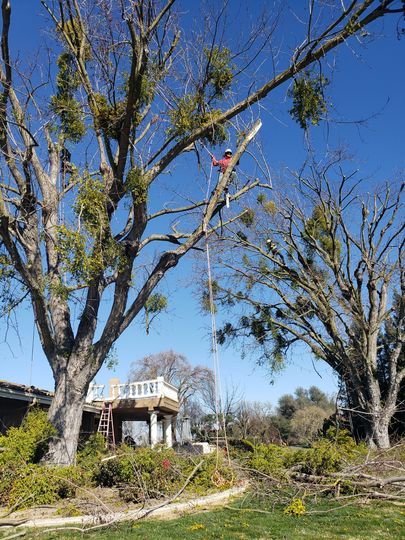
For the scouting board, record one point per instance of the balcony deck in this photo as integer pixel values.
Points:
(135, 400)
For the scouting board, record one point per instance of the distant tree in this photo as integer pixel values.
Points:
(253, 420)
(322, 265)
(300, 417)
(307, 423)
(220, 409)
(177, 370)
(287, 405)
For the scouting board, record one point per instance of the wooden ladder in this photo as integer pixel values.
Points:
(106, 424)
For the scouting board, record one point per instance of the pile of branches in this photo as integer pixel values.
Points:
(379, 476)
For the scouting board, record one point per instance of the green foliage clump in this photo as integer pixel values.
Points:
(329, 454)
(6, 266)
(183, 118)
(156, 303)
(152, 473)
(219, 70)
(269, 459)
(137, 184)
(319, 228)
(270, 207)
(37, 484)
(91, 206)
(109, 118)
(196, 109)
(73, 30)
(115, 471)
(22, 447)
(308, 100)
(214, 474)
(29, 442)
(72, 250)
(248, 217)
(261, 198)
(90, 453)
(188, 116)
(87, 252)
(141, 473)
(64, 103)
(85, 259)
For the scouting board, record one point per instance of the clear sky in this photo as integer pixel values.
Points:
(368, 83)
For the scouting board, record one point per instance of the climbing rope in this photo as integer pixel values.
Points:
(219, 410)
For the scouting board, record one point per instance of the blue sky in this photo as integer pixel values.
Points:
(368, 82)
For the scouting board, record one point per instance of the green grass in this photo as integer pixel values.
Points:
(369, 522)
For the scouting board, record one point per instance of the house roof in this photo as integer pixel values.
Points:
(12, 390)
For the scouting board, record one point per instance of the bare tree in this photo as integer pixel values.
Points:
(84, 146)
(253, 420)
(177, 370)
(326, 269)
(221, 404)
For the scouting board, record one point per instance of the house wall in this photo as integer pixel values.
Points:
(12, 412)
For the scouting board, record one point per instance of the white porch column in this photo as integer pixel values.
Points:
(167, 429)
(153, 428)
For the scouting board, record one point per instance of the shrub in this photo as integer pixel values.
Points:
(36, 484)
(328, 454)
(153, 473)
(29, 442)
(215, 473)
(269, 459)
(141, 472)
(90, 454)
(22, 446)
(115, 471)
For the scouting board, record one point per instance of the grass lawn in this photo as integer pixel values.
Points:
(369, 522)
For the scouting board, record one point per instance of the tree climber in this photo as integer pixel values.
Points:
(223, 165)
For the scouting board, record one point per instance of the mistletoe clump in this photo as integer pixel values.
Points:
(308, 99)
(76, 35)
(318, 228)
(188, 117)
(196, 109)
(91, 206)
(91, 249)
(64, 104)
(137, 184)
(219, 70)
(109, 118)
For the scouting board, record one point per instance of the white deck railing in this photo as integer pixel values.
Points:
(135, 390)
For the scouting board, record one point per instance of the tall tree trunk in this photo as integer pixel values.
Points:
(377, 429)
(66, 411)
(370, 418)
